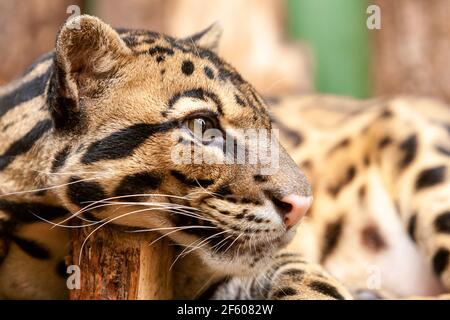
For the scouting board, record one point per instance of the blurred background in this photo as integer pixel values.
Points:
(281, 46)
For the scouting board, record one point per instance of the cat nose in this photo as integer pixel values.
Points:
(295, 208)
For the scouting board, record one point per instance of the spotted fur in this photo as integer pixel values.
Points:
(381, 184)
(91, 125)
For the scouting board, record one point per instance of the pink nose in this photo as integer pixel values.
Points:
(299, 207)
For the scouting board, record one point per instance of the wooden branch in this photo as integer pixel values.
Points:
(116, 265)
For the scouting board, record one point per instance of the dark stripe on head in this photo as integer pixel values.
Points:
(430, 177)
(158, 50)
(442, 223)
(33, 248)
(25, 143)
(409, 149)
(331, 238)
(412, 223)
(122, 143)
(138, 183)
(83, 193)
(372, 239)
(193, 93)
(24, 92)
(196, 183)
(440, 260)
(60, 158)
(326, 289)
(297, 273)
(197, 93)
(284, 292)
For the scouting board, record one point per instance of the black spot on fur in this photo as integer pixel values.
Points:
(430, 177)
(231, 199)
(440, 260)
(362, 192)
(443, 150)
(224, 191)
(412, 223)
(61, 269)
(208, 72)
(239, 215)
(326, 289)
(31, 247)
(331, 238)
(442, 222)
(83, 193)
(366, 160)
(260, 178)
(386, 114)
(138, 183)
(307, 165)
(196, 183)
(284, 292)
(25, 143)
(372, 239)
(122, 143)
(187, 67)
(60, 158)
(342, 144)
(384, 142)
(350, 174)
(239, 101)
(409, 148)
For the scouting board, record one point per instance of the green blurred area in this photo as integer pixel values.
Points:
(337, 33)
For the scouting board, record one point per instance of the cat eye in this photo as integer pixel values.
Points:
(198, 125)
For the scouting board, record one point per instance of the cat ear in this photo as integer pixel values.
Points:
(208, 38)
(87, 52)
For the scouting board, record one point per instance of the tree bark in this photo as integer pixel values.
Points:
(117, 265)
(411, 51)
